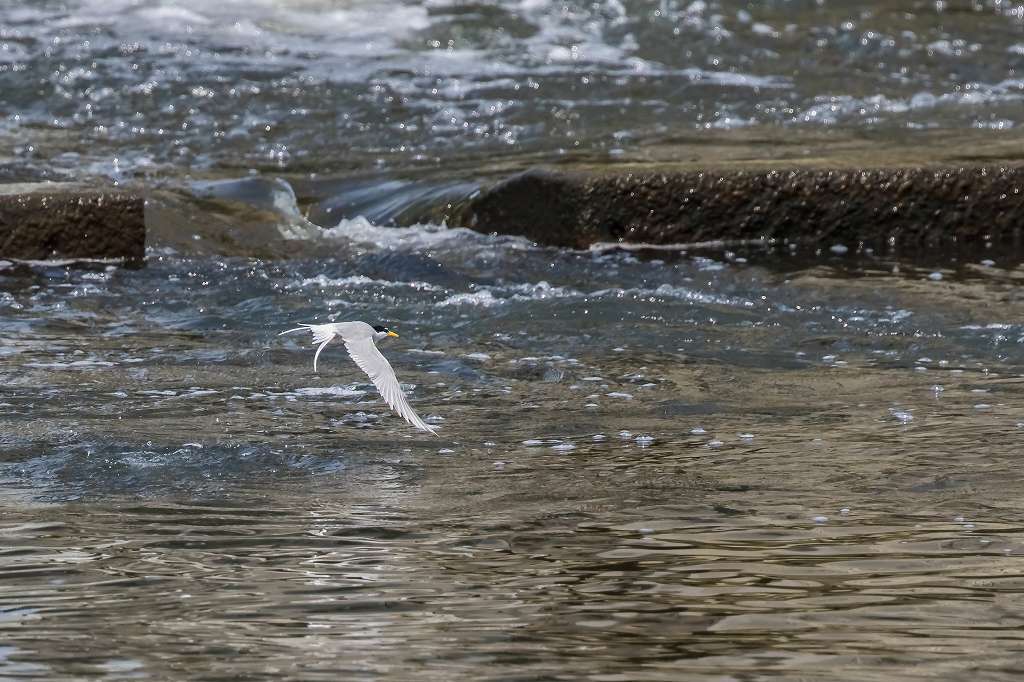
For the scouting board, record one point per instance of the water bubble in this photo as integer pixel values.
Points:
(746, 436)
(988, 263)
(903, 417)
(489, 444)
(982, 406)
(698, 431)
(445, 451)
(565, 447)
(958, 519)
(839, 249)
(968, 525)
(532, 442)
(935, 276)
(714, 444)
(599, 437)
(820, 519)
(844, 511)
(625, 435)
(644, 441)
(619, 394)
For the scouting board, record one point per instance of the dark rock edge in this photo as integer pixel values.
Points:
(908, 206)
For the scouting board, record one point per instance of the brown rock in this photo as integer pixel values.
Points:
(69, 220)
(909, 206)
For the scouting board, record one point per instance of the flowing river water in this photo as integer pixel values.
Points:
(701, 467)
(707, 464)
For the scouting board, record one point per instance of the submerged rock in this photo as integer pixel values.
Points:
(909, 206)
(69, 220)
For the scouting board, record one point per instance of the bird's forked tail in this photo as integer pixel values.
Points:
(323, 334)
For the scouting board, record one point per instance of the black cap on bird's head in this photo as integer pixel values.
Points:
(383, 330)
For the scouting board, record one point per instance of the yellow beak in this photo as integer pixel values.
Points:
(391, 333)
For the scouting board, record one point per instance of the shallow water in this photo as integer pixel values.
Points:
(713, 464)
(726, 466)
(134, 88)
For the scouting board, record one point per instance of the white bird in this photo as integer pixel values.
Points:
(360, 342)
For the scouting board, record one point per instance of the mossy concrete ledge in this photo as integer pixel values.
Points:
(40, 221)
(909, 206)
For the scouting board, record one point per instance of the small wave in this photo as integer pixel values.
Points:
(479, 298)
(491, 296)
(77, 364)
(335, 391)
(325, 282)
(361, 231)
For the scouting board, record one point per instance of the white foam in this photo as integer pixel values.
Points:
(483, 298)
(77, 364)
(356, 281)
(336, 391)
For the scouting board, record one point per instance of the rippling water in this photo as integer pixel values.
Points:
(769, 463)
(123, 87)
(720, 465)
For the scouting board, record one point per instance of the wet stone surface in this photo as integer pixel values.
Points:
(916, 207)
(71, 220)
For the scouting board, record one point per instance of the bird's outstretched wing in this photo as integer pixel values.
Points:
(365, 354)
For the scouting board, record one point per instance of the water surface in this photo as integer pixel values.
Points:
(717, 465)
(137, 88)
(723, 463)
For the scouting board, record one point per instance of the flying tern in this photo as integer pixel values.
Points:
(360, 341)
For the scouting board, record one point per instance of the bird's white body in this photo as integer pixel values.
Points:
(360, 341)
